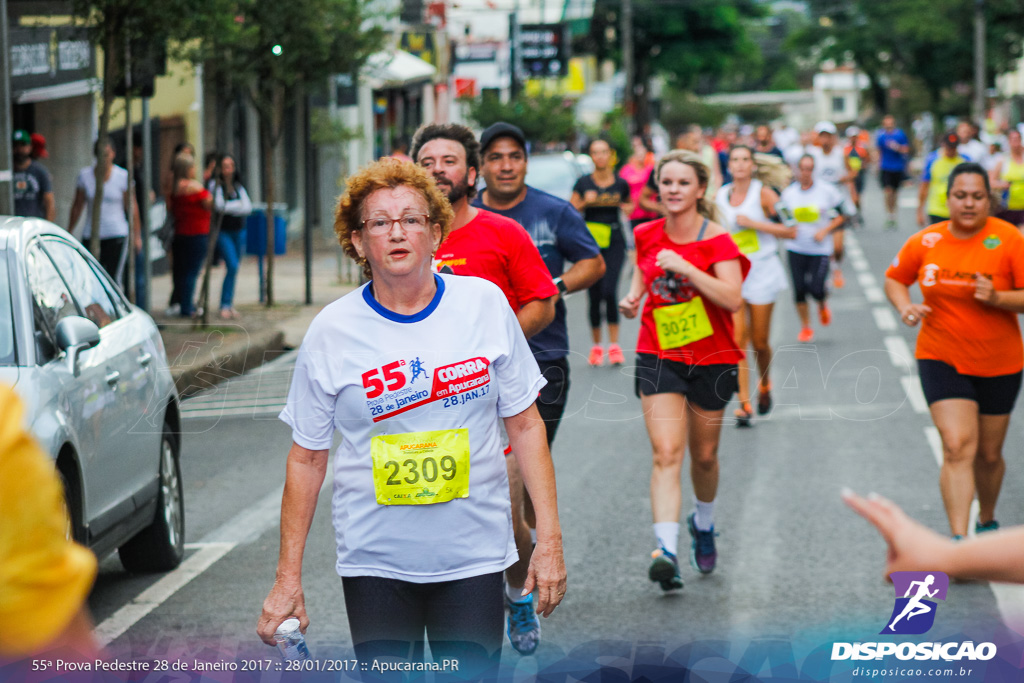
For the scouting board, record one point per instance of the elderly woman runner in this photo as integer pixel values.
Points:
(421, 502)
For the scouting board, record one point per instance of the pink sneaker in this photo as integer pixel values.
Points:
(615, 356)
(596, 356)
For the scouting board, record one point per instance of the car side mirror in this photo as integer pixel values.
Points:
(74, 335)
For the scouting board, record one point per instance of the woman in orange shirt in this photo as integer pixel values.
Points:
(969, 352)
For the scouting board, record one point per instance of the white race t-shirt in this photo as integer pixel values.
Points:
(831, 166)
(113, 221)
(813, 208)
(751, 207)
(461, 363)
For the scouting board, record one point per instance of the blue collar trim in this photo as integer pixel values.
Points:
(398, 317)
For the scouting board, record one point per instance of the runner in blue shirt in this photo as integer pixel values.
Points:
(561, 235)
(894, 150)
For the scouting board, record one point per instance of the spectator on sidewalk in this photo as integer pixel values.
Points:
(33, 187)
(232, 203)
(190, 204)
(117, 201)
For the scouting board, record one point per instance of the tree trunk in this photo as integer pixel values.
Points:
(642, 97)
(101, 143)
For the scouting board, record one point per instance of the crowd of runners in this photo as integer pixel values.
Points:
(444, 494)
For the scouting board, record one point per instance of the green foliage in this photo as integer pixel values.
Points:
(323, 130)
(929, 40)
(545, 118)
(680, 109)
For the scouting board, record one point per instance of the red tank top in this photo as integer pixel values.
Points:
(190, 217)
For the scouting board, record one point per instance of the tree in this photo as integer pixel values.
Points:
(275, 51)
(929, 40)
(689, 42)
(115, 24)
(542, 118)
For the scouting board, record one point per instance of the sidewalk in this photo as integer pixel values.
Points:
(200, 358)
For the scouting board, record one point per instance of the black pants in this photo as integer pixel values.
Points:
(463, 619)
(606, 289)
(112, 259)
(809, 275)
(551, 402)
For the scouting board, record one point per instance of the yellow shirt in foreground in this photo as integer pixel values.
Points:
(44, 578)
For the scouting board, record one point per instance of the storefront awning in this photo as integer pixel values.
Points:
(395, 69)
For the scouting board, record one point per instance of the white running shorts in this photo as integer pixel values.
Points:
(767, 277)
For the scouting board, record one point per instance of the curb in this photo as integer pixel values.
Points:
(217, 360)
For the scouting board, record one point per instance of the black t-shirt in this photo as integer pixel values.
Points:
(606, 208)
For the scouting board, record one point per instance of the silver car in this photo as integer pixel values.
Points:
(93, 375)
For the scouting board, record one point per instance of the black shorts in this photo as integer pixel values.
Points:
(708, 386)
(553, 395)
(994, 395)
(893, 179)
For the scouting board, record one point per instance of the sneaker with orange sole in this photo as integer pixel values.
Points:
(596, 358)
(825, 313)
(838, 281)
(615, 356)
(806, 335)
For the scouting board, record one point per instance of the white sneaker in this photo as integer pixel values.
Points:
(173, 310)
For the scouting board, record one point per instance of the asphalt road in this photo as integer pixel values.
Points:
(794, 563)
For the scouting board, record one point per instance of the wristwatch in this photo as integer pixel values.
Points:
(563, 290)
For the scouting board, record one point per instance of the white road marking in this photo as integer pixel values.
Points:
(867, 280)
(261, 392)
(899, 352)
(884, 319)
(907, 202)
(860, 264)
(874, 294)
(912, 387)
(931, 433)
(151, 598)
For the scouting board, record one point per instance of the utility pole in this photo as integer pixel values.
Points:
(978, 105)
(147, 187)
(626, 40)
(6, 161)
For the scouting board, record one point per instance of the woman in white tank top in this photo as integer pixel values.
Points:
(746, 206)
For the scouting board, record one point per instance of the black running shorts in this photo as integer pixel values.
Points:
(994, 395)
(708, 386)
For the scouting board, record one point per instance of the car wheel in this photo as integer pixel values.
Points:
(72, 508)
(160, 547)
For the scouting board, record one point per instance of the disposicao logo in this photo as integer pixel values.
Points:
(914, 614)
(916, 592)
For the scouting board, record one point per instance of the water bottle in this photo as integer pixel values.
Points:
(290, 641)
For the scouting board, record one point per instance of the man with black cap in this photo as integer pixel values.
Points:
(33, 189)
(560, 234)
(931, 197)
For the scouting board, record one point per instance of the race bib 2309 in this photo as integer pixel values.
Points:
(420, 468)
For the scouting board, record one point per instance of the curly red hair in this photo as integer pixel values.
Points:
(384, 174)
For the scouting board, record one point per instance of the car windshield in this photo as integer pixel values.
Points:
(553, 174)
(7, 356)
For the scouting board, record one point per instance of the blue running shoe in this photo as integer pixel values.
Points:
(664, 570)
(980, 528)
(702, 547)
(523, 625)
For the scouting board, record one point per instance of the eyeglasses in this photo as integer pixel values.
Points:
(381, 225)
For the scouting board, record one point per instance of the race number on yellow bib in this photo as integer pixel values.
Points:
(746, 240)
(682, 324)
(806, 214)
(421, 468)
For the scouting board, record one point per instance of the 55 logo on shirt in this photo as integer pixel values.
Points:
(389, 377)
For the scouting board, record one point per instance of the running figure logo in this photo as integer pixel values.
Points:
(913, 614)
(417, 370)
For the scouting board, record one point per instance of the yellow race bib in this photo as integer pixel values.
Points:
(746, 240)
(682, 324)
(1015, 200)
(806, 214)
(421, 468)
(602, 233)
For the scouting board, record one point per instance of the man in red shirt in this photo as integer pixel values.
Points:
(487, 245)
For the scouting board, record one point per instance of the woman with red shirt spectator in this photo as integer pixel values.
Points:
(692, 272)
(190, 206)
